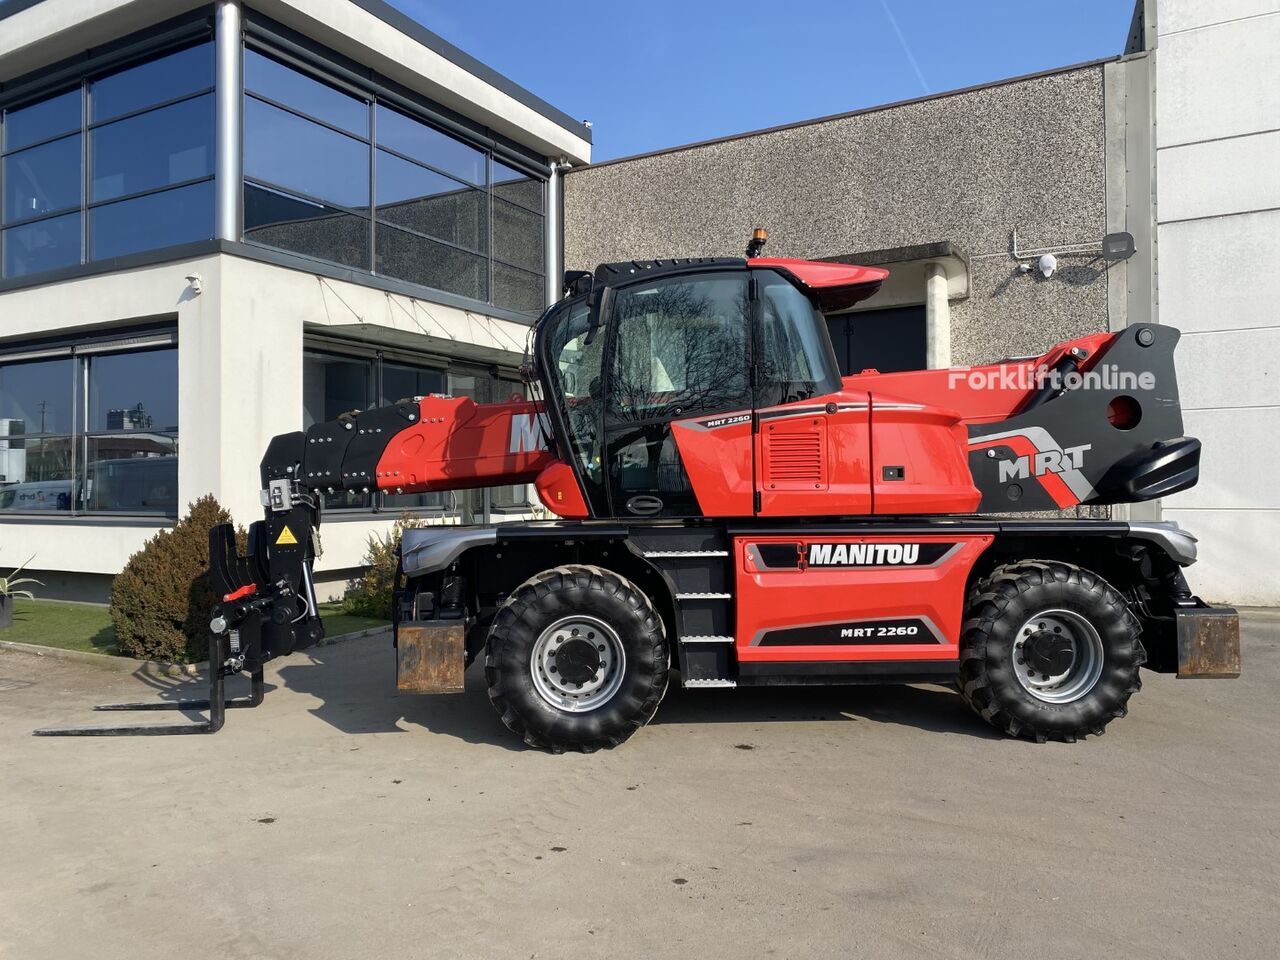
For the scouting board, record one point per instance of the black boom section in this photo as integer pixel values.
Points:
(1112, 434)
(343, 454)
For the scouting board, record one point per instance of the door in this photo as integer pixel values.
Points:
(886, 340)
(680, 352)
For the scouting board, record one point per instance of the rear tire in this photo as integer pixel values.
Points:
(577, 659)
(1049, 651)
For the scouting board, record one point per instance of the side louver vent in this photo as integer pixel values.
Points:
(794, 458)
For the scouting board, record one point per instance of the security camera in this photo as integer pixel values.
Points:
(196, 281)
(1048, 264)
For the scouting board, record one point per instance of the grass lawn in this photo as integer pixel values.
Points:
(71, 626)
(77, 626)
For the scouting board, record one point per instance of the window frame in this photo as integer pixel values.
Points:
(376, 356)
(82, 76)
(278, 43)
(81, 351)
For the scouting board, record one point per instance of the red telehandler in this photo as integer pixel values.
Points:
(735, 510)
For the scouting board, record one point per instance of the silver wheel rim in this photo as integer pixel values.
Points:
(594, 691)
(1086, 666)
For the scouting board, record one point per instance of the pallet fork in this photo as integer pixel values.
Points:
(235, 646)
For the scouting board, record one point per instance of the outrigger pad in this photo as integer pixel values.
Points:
(430, 656)
(1208, 642)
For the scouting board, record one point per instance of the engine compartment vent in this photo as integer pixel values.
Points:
(794, 456)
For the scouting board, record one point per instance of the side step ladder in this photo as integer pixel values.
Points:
(217, 705)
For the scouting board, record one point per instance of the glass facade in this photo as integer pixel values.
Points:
(334, 383)
(118, 162)
(92, 431)
(334, 173)
(116, 158)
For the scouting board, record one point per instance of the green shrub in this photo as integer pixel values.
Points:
(160, 602)
(369, 595)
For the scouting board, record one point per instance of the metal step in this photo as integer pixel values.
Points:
(707, 684)
(706, 639)
(680, 554)
(704, 596)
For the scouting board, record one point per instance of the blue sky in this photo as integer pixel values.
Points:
(662, 73)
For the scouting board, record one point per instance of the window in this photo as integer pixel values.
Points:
(333, 173)
(334, 383)
(146, 132)
(681, 348)
(151, 151)
(275, 81)
(575, 352)
(307, 227)
(795, 359)
(41, 175)
(331, 386)
(282, 149)
(427, 145)
(165, 78)
(92, 431)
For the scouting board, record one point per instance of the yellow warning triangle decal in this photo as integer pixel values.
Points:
(286, 538)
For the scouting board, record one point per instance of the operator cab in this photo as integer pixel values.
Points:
(654, 372)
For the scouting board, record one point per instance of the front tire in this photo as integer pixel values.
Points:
(1049, 651)
(577, 659)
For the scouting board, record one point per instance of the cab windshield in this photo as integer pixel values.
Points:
(574, 351)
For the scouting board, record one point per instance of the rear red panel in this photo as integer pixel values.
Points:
(845, 598)
(921, 460)
(979, 394)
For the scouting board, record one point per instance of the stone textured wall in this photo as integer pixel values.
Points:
(968, 167)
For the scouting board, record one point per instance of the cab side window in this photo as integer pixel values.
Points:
(681, 348)
(577, 352)
(796, 362)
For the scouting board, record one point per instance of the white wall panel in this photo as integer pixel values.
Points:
(1240, 459)
(1220, 274)
(1214, 82)
(1239, 554)
(1222, 176)
(1175, 15)
(1231, 369)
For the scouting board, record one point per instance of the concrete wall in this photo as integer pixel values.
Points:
(1218, 216)
(969, 167)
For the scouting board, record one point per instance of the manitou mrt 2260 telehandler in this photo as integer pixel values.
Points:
(735, 510)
